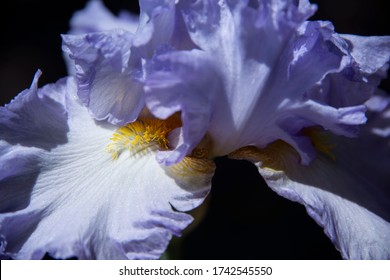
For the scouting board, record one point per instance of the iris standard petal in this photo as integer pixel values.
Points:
(95, 17)
(83, 203)
(111, 66)
(360, 77)
(168, 93)
(263, 58)
(108, 77)
(161, 24)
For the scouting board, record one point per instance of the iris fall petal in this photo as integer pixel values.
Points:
(75, 200)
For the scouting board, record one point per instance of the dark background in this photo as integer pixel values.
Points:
(245, 219)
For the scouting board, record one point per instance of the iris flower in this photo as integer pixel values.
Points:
(104, 163)
(72, 186)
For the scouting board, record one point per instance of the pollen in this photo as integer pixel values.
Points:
(142, 136)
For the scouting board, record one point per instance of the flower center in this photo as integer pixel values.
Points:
(142, 136)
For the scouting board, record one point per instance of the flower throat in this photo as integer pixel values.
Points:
(142, 136)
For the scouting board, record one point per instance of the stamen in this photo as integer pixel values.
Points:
(142, 136)
(195, 170)
(192, 172)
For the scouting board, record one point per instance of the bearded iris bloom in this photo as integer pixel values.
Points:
(73, 186)
(287, 94)
(101, 164)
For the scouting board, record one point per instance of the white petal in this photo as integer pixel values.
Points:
(86, 204)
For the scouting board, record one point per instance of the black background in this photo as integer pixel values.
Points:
(245, 219)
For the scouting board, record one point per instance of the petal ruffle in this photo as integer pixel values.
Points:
(349, 196)
(110, 66)
(360, 77)
(34, 121)
(161, 25)
(95, 17)
(259, 78)
(109, 77)
(25, 120)
(82, 203)
(370, 53)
